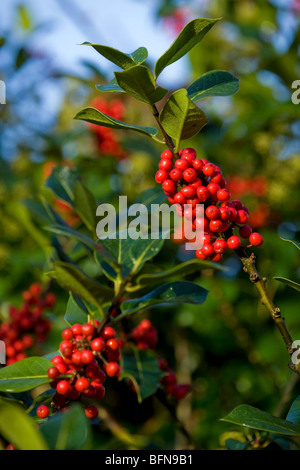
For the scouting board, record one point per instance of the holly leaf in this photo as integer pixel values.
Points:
(139, 82)
(191, 35)
(94, 116)
(122, 60)
(213, 83)
(181, 118)
(24, 375)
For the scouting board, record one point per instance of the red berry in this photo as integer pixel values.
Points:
(98, 344)
(198, 164)
(203, 193)
(256, 239)
(76, 329)
(108, 333)
(169, 187)
(179, 198)
(82, 384)
(165, 164)
(87, 356)
(88, 329)
(91, 411)
(175, 174)
(181, 164)
(57, 359)
(212, 212)
(215, 225)
(161, 176)
(166, 154)
(67, 334)
(188, 192)
(189, 175)
(43, 411)
(220, 246)
(112, 369)
(112, 344)
(53, 373)
(233, 242)
(63, 387)
(223, 195)
(207, 249)
(209, 169)
(76, 357)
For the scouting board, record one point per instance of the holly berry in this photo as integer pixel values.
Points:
(256, 239)
(91, 411)
(233, 242)
(43, 411)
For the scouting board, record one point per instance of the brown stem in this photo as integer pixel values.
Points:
(260, 284)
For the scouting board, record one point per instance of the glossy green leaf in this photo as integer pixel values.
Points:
(112, 86)
(138, 82)
(251, 417)
(95, 116)
(290, 283)
(19, 429)
(67, 431)
(181, 269)
(74, 280)
(181, 118)
(24, 375)
(122, 60)
(177, 292)
(130, 254)
(191, 34)
(213, 83)
(76, 311)
(69, 232)
(62, 183)
(142, 368)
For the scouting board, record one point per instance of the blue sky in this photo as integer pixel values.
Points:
(122, 24)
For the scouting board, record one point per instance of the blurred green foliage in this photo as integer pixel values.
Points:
(228, 349)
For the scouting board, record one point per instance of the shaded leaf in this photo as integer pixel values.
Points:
(138, 82)
(251, 417)
(19, 429)
(213, 83)
(290, 283)
(142, 368)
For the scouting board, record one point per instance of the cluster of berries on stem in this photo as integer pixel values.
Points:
(190, 182)
(26, 324)
(88, 355)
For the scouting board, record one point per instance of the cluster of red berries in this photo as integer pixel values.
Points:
(191, 181)
(26, 324)
(107, 140)
(88, 357)
(169, 382)
(144, 335)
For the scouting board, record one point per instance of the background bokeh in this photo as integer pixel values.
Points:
(228, 349)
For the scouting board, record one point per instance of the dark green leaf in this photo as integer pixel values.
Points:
(19, 429)
(142, 368)
(179, 292)
(191, 34)
(76, 311)
(290, 283)
(85, 205)
(181, 269)
(213, 83)
(24, 375)
(62, 183)
(73, 280)
(181, 118)
(138, 82)
(131, 254)
(95, 116)
(251, 417)
(122, 60)
(67, 431)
